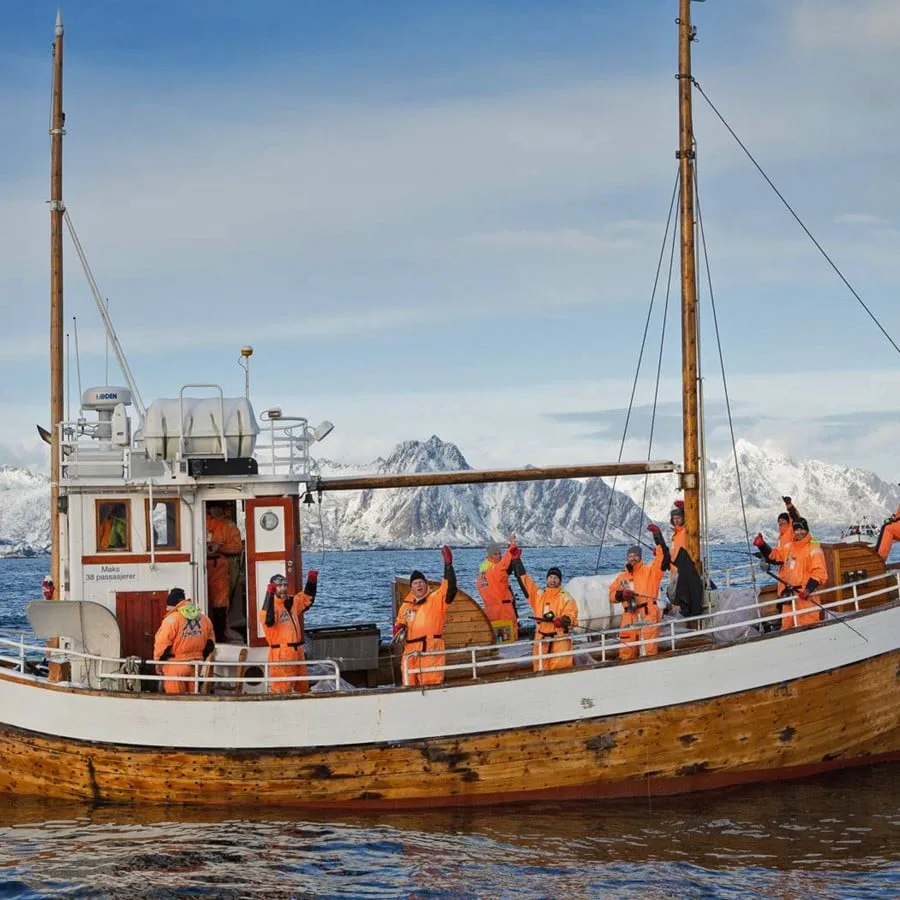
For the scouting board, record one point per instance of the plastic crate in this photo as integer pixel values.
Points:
(352, 647)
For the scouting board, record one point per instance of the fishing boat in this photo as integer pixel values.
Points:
(80, 719)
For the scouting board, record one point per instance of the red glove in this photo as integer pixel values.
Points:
(447, 553)
(679, 504)
(398, 628)
(802, 595)
(627, 595)
(515, 552)
(557, 622)
(312, 575)
(759, 541)
(653, 529)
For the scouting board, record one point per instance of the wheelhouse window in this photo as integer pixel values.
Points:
(163, 524)
(113, 526)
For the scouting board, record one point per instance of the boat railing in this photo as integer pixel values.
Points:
(604, 645)
(476, 662)
(113, 673)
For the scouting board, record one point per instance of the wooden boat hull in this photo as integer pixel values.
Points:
(841, 716)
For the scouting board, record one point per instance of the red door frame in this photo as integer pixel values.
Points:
(288, 559)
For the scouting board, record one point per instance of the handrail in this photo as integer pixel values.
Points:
(475, 659)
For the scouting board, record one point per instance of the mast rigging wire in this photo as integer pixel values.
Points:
(796, 217)
(712, 302)
(637, 373)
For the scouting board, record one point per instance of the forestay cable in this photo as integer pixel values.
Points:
(797, 218)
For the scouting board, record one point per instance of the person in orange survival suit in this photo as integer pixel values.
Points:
(222, 541)
(803, 568)
(889, 533)
(421, 617)
(493, 586)
(785, 536)
(555, 612)
(283, 628)
(637, 589)
(185, 634)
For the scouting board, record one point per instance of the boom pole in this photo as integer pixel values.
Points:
(486, 476)
(57, 210)
(691, 477)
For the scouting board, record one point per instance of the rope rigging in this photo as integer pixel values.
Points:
(637, 373)
(796, 217)
(712, 302)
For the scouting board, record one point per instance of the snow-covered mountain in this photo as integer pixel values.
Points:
(24, 512)
(831, 497)
(563, 512)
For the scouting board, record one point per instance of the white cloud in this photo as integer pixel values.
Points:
(850, 25)
(864, 219)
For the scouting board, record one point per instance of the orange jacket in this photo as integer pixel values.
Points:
(889, 534)
(493, 587)
(644, 580)
(288, 627)
(785, 537)
(186, 636)
(549, 600)
(285, 640)
(185, 632)
(112, 534)
(801, 561)
(678, 542)
(218, 572)
(560, 603)
(424, 621)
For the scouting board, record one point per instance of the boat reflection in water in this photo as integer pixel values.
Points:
(836, 835)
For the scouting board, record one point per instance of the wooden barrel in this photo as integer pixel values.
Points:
(466, 624)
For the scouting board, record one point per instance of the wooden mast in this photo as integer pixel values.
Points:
(691, 476)
(56, 298)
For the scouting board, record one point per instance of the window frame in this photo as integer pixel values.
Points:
(125, 503)
(163, 548)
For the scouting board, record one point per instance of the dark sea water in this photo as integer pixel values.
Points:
(832, 836)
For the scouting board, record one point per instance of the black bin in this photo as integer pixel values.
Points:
(353, 647)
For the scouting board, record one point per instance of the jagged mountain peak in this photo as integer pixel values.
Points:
(433, 455)
(557, 512)
(13, 477)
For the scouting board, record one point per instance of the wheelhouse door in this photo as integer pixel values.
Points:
(273, 547)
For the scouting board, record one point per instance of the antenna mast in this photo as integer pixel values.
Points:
(57, 209)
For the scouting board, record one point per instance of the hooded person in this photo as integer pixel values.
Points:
(803, 567)
(420, 620)
(637, 589)
(493, 587)
(185, 637)
(283, 627)
(555, 613)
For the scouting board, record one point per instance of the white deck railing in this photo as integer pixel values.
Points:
(477, 661)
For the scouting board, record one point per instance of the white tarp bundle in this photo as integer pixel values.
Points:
(728, 605)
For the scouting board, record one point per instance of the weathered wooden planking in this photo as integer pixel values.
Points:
(853, 562)
(782, 731)
(466, 624)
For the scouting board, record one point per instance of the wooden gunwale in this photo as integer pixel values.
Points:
(781, 731)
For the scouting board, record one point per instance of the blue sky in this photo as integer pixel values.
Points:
(445, 217)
